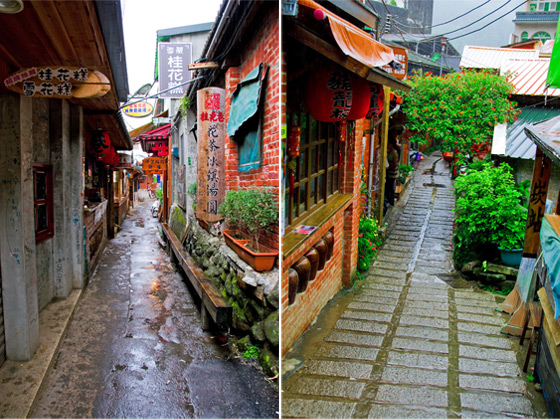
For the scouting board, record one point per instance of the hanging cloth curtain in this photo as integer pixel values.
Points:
(244, 118)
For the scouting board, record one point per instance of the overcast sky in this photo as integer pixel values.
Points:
(141, 21)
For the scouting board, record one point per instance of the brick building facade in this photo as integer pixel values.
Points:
(321, 182)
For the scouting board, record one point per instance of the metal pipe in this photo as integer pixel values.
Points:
(155, 95)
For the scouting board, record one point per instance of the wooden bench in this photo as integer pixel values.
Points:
(213, 304)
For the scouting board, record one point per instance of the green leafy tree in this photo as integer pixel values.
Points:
(459, 110)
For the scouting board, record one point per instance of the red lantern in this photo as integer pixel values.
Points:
(329, 94)
(99, 144)
(109, 157)
(360, 98)
(116, 159)
(376, 101)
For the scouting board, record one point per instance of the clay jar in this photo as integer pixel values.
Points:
(322, 249)
(303, 269)
(329, 238)
(293, 280)
(313, 256)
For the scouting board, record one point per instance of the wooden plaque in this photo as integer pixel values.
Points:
(211, 154)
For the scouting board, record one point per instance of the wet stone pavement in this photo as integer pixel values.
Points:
(135, 347)
(408, 341)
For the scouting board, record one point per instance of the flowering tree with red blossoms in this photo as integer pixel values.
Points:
(458, 111)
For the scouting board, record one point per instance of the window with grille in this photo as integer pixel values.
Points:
(317, 174)
(43, 202)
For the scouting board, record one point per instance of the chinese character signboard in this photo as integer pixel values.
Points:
(399, 66)
(138, 110)
(154, 165)
(174, 60)
(211, 156)
(58, 82)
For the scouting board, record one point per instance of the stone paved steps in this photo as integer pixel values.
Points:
(404, 343)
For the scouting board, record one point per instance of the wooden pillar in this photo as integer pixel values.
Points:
(383, 154)
(523, 292)
(164, 193)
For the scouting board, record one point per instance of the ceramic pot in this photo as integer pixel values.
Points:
(329, 238)
(322, 249)
(313, 256)
(293, 281)
(303, 269)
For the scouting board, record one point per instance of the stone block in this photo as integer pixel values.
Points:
(355, 338)
(397, 375)
(312, 408)
(502, 384)
(496, 403)
(407, 359)
(348, 352)
(478, 366)
(361, 326)
(337, 369)
(326, 388)
(411, 396)
(420, 345)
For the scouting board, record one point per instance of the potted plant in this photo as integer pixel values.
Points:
(250, 212)
(510, 241)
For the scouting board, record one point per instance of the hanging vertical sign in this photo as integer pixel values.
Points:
(174, 60)
(211, 155)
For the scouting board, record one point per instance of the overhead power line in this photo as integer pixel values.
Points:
(444, 23)
(488, 24)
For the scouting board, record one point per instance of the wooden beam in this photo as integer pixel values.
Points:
(50, 20)
(198, 66)
(213, 302)
(324, 48)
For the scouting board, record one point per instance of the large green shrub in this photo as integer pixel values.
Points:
(488, 211)
(251, 210)
(369, 242)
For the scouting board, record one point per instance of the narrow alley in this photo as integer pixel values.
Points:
(411, 339)
(135, 347)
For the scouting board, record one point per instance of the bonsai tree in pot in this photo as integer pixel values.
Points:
(251, 211)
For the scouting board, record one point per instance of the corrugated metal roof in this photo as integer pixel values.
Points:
(547, 135)
(518, 145)
(492, 57)
(529, 76)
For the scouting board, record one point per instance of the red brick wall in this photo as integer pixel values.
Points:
(342, 266)
(262, 47)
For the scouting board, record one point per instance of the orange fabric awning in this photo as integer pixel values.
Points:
(353, 41)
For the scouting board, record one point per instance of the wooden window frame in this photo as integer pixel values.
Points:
(324, 140)
(48, 201)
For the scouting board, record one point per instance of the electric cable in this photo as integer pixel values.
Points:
(488, 24)
(444, 23)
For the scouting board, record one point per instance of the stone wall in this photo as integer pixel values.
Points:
(253, 295)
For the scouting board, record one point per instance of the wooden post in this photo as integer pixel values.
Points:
(523, 292)
(383, 154)
(211, 130)
(165, 201)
